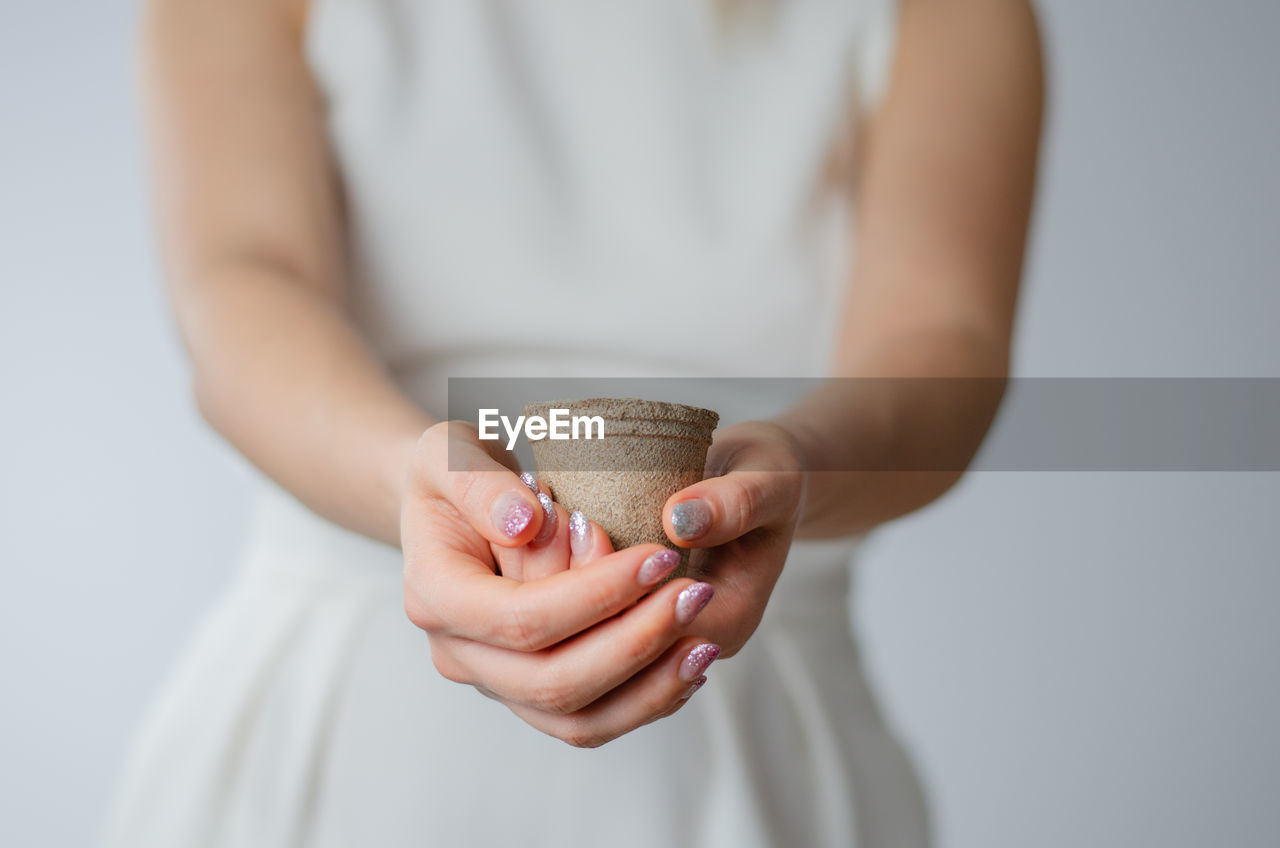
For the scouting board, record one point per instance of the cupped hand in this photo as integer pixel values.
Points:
(583, 653)
(741, 518)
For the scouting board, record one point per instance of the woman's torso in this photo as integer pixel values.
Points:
(610, 189)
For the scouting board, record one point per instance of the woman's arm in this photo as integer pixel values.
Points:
(945, 198)
(251, 231)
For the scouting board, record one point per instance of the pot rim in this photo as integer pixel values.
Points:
(630, 409)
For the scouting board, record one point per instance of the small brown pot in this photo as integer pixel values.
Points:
(650, 450)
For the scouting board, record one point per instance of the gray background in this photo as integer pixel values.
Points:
(1076, 659)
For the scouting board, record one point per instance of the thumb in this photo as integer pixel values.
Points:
(721, 509)
(453, 464)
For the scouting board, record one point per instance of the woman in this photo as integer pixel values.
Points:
(361, 198)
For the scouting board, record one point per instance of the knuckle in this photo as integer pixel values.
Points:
(431, 447)
(463, 487)
(434, 435)
(515, 629)
(419, 612)
(599, 597)
(581, 736)
(587, 741)
(659, 706)
(746, 503)
(435, 508)
(552, 696)
(447, 666)
(641, 648)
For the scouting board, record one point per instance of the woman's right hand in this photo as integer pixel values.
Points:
(585, 652)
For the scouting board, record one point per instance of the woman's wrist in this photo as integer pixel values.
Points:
(805, 440)
(836, 433)
(397, 470)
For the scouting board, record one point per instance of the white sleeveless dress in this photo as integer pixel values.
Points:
(659, 182)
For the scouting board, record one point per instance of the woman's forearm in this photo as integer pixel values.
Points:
(885, 439)
(251, 223)
(282, 375)
(943, 209)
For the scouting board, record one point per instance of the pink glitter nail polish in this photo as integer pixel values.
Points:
(690, 519)
(691, 601)
(530, 481)
(579, 533)
(548, 529)
(511, 514)
(658, 566)
(698, 660)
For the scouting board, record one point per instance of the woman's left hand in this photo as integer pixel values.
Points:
(740, 520)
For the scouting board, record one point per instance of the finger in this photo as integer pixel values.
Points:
(510, 561)
(588, 541)
(659, 690)
(548, 552)
(578, 671)
(682, 700)
(455, 593)
(720, 509)
(459, 467)
(531, 483)
(744, 573)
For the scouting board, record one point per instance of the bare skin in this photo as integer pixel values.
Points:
(570, 637)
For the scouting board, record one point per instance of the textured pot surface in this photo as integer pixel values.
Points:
(650, 450)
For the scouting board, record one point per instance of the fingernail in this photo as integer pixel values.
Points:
(691, 601)
(511, 514)
(658, 566)
(548, 528)
(579, 533)
(530, 481)
(690, 519)
(693, 687)
(698, 660)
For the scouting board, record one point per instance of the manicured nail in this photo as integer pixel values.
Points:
(548, 529)
(530, 481)
(698, 660)
(658, 566)
(691, 601)
(579, 533)
(511, 513)
(693, 687)
(690, 519)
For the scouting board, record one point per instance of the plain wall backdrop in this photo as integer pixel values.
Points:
(1075, 659)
